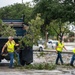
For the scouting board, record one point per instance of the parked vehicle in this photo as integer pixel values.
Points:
(41, 45)
(52, 43)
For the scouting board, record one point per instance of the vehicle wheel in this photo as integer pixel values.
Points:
(40, 49)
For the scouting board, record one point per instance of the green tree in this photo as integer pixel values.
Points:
(16, 11)
(55, 9)
(59, 28)
(6, 30)
(33, 33)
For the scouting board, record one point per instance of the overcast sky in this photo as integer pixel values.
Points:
(9, 2)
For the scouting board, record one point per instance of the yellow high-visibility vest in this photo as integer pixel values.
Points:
(74, 50)
(60, 47)
(10, 46)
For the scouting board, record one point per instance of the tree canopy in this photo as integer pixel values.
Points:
(6, 30)
(54, 10)
(16, 11)
(33, 31)
(50, 10)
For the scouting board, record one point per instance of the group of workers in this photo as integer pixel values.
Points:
(10, 44)
(59, 48)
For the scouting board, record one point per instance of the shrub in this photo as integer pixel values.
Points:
(41, 66)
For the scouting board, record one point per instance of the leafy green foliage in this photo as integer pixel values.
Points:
(16, 11)
(33, 33)
(50, 10)
(35, 28)
(53, 10)
(59, 28)
(41, 66)
(6, 30)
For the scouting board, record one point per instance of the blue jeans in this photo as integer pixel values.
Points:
(59, 57)
(72, 59)
(11, 55)
(18, 57)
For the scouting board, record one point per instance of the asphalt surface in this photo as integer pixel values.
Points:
(6, 71)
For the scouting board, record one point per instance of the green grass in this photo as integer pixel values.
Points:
(41, 66)
(44, 66)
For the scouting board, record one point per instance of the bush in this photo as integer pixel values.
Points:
(41, 66)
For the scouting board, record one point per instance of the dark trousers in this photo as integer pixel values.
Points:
(59, 57)
(72, 59)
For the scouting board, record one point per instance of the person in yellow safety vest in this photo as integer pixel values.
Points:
(73, 58)
(59, 48)
(10, 44)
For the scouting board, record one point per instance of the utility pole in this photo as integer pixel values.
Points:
(22, 1)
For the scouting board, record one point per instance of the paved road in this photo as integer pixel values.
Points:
(7, 71)
(29, 72)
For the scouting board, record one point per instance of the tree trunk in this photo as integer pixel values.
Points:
(61, 37)
(57, 36)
